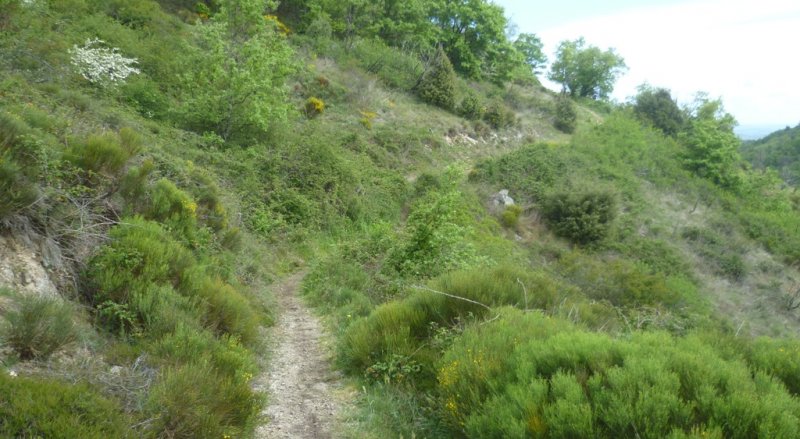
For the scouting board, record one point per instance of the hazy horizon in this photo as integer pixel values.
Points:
(736, 50)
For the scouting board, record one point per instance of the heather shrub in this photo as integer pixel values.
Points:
(38, 327)
(195, 400)
(538, 376)
(174, 208)
(38, 407)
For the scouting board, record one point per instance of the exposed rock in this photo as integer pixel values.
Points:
(502, 199)
(21, 267)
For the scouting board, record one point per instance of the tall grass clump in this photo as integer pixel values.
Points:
(39, 327)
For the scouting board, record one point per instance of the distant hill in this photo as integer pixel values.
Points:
(779, 150)
(755, 132)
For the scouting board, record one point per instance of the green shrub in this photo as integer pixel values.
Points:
(194, 400)
(471, 106)
(39, 327)
(498, 116)
(227, 311)
(529, 171)
(510, 216)
(32, 408)
(437, 85)
(583, 218)
(566, 117)
(18, 192)
(105, 154)
(174, 208)
(532, 375)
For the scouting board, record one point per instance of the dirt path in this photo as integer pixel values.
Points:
(304, 393)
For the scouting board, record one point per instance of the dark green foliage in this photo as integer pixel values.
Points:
(566, 116)
(498, 115)
(437, 84)
(583, 217)
(31, 408)
(38, 327)
(656, 107)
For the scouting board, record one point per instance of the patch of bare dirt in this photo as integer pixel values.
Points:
(305, 394)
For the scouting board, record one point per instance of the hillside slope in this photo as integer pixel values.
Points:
(779, 151)
(166, 166)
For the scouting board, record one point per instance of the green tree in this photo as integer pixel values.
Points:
(473, 35)
(657, 107)
(586, 71)
(235, 80)
(437, 84)
(712, 147)
(530, 46)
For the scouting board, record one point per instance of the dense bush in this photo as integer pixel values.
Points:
(437, 85)
(498, 116)
(528, 172)
(583, 218)
(105, 154)
(471, 106)
(38, 327)
(36, 407)
(530, 375)
(510, 216)
(566, 116)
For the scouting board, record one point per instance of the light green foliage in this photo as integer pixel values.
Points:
(582, 217)
(471, 106)
(656, 107)
(36, 407)
(510, 216)
(566, 116)
(530, 46)
(527, 172)
(437, 85)
(38, 327)
(234, 82)
(432, 241)
(194, 400)
(586, 71)
(105, 154)
(713, 148)
(540, 376)
(15, 184)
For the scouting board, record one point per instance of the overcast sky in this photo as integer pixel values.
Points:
(746, 52)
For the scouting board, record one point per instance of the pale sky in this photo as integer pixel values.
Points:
(746, 52)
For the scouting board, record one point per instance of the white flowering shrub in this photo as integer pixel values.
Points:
(100, 64)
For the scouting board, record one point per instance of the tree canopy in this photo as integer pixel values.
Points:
(586, 71)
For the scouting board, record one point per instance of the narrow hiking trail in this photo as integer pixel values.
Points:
(305, 394)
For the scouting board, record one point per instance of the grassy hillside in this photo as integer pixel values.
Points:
(170, 170)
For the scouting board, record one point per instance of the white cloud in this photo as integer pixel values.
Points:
(740, 50)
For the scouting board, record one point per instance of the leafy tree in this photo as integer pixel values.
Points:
(437, 85)
(586, 71)
(657, 107)
(530, 46)
(712, 146)
(236, 74)
(473, 35)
